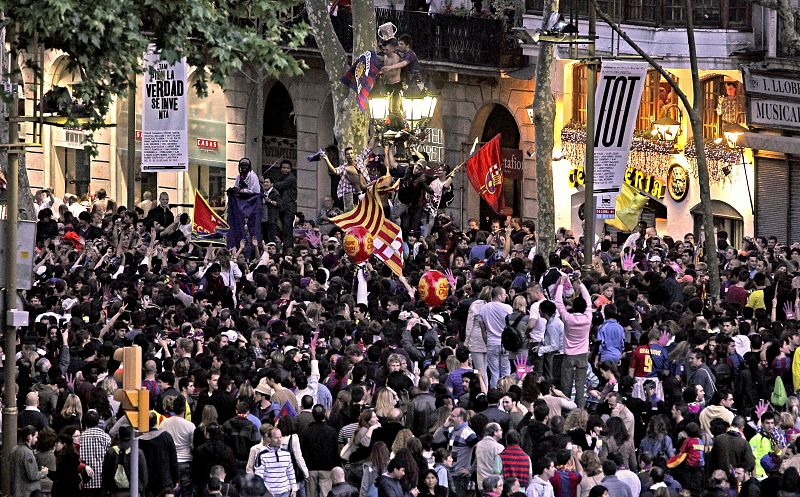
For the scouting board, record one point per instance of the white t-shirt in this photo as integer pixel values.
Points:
(537, 332)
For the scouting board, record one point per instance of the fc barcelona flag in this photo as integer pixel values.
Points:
(205, 220)
(360, 77)
(485, 171)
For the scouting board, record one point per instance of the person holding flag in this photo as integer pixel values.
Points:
(244, 207)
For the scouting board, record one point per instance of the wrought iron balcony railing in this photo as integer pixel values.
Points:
(463, 40)
(724, 14)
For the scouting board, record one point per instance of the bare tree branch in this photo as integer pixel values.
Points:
(653, 63)
(695, 118)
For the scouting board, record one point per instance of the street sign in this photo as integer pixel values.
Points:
(26, 242)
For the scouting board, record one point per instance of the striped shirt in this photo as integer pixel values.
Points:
(516, 464)
(347, 432)
(276, 468)
(94, 444)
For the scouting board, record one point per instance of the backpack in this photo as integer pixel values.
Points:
(511, 339)
(120, 473)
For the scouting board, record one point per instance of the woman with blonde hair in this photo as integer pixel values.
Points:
(591, 472)
(402, 438)
(519, 315)
(208, 416)
(385, 401)
(70, 414)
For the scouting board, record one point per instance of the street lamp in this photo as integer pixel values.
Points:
(378, 108)
(667, 127)
(732, 132)
(418, 107)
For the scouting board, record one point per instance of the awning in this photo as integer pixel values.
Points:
(773, 143)
(659, 209)
(718, 209)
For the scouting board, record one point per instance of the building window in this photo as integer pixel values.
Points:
(727, 96)
(657, 95)
(579, 73)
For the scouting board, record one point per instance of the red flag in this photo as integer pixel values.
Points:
(205, 220)
(485, 171)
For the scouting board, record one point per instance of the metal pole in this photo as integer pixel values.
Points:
(134, 463)
(132, 145)
(12, 208)
(747, 180)
(588, 205)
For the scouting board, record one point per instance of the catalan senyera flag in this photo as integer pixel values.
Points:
(387, 236)
(485, 172)
(205, 220)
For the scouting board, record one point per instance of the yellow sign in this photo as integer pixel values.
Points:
(647, 183)
(576, 177)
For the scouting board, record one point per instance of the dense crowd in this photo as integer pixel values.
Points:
(272, 371)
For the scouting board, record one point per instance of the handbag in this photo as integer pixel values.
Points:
(346, 451)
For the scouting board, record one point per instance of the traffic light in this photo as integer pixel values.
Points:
(134, 398)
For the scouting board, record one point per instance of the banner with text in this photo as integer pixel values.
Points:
(165, 145)
(619, 93)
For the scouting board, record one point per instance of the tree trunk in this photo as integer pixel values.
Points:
(258, 158)
(544, 110)
(695, 117)
(350, 125)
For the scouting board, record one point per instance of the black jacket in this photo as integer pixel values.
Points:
(158, 448)
(319, 447)
(210, 454)
(240, 435)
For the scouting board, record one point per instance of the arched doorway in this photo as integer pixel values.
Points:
(726, 218)
(501, 121)
(280, 129)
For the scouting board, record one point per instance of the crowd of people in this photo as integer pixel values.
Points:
(270, 374)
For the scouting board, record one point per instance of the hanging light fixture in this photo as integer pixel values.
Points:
(378, 107)
(418, 107)
(666, 127)
(732, 132)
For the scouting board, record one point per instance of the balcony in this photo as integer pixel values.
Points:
(709, 14)
(445, 38)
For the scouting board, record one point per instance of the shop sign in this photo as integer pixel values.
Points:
(512, 163)
(773, 100)
(648, 183)
(677, 182)
(206, 144)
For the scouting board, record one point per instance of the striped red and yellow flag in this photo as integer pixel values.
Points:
(387, 236)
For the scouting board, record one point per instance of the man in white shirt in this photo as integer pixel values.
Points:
(182, 432)
(536, 324)
(494, 315)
